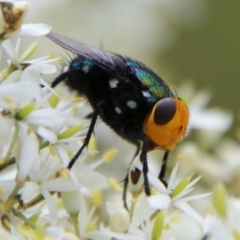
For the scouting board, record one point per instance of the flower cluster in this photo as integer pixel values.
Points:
(40, 130)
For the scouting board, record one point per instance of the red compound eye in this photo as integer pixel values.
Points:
(164, 111)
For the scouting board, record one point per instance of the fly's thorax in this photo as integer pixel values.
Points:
(167, 123)
(84, 66)
(79, 71)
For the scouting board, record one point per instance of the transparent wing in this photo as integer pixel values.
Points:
(107, 60)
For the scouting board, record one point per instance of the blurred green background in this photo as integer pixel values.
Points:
(188, 40)
(210, 55)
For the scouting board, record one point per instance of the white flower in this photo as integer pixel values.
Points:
(175, 195)
(120, 220)
(34, 30)
(11, 17)
(16, 61)
(23, 101)
(213, 119)
(59, 233)
(29, 156)
(216, 228)
(40, 131)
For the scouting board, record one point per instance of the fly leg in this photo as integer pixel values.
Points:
(138, 137)
(138, 144)
(88, 136)
(162, 172)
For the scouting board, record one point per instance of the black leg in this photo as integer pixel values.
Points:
(63, 76)
(143, 159)
(88, 136)
(161, 175)
(126, 178)
(125, 192)
(136, 137)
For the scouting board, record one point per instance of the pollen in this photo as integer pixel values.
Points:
(110, 155)
(181, 186)
(54, 100)
(114, 185)
(4, 74)
(70, 153)
(51, 149)
(92, 146)
(64, 173)
(60, 59)
(51, 56)
(77, 99)
(179, 157)
(176, 219)
(70, 132)
(25, 111)
(8, 100)
(74, 109)
(153, 191)
(97, 198)
(91, 226)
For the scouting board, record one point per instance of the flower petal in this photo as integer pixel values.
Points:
(50, 118)
(53, 211)
(29, 190)
(34, 30)
(172, 177)
(60, 185)
(47, 135)
(157, 184)
(29, 152)
(160, 201)
(20, 93)
(31, 74)
(189, 211)
(71, 201)
(8, 47)
(93, 180)
(6, 187)
(5, 130)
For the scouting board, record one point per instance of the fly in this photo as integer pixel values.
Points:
(129, 97)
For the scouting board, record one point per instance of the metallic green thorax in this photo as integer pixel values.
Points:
(153, 84)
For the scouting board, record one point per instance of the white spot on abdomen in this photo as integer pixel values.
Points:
(132, 104)
(118, 110)
(146, 94)
(113, 82)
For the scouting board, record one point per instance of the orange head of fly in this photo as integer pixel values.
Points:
(167, 123)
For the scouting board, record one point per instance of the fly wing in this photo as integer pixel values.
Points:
(106, 60)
